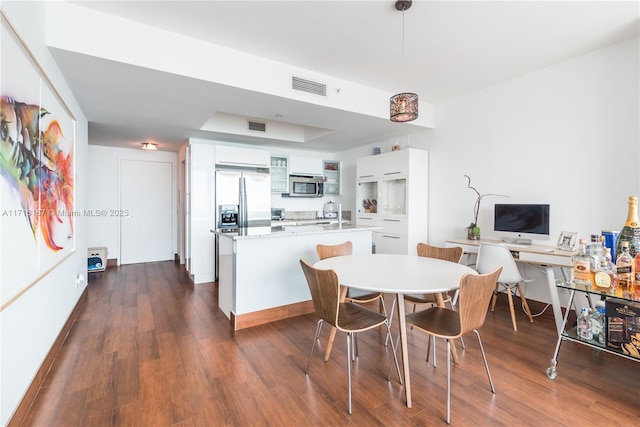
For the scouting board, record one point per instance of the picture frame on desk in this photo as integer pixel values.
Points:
(567, 240)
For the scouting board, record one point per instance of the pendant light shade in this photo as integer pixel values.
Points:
(403, 107)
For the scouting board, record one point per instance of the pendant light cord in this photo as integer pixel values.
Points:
(403, 40)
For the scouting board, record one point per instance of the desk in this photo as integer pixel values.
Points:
(544, 256)
(397, 274)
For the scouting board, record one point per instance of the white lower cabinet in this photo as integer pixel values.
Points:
(393, 244)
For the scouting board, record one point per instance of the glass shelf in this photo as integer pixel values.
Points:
(630, 295)
(279, 174)
(331, 172)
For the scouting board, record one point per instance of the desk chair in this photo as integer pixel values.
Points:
(490, 256)
(345, 317)
(349, 295)
(474, 295)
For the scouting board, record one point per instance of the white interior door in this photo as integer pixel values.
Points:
(146, 195)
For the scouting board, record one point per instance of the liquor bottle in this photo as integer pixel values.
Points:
(581, 271)
(604, 277)
(597, 323)
(584, 329)
(624, 268)
(595, 250)
(636, 265)
(631, 230)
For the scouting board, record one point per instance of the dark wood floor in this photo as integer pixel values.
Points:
(151, 349)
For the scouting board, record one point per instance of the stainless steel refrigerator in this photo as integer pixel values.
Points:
(258, 195)
(248, 192)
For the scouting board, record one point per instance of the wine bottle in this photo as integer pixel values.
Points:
(631, 230)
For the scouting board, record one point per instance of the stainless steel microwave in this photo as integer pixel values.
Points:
(306, 186)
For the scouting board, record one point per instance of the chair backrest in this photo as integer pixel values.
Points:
(491, 256)
(475, 294)
(448, 254)
(329, 251)
(325, 292)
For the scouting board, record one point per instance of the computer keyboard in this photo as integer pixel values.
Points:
(518, 245)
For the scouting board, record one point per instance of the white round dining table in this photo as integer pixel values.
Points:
(397, 274)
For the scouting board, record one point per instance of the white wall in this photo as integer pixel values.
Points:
(567, 135)
(30, 325)
(103, 194)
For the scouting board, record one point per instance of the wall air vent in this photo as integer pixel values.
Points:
(304, 85)
(257, 126)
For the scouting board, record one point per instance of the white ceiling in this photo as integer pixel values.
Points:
(451, 48)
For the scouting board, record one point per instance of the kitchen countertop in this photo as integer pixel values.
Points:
(285, 229)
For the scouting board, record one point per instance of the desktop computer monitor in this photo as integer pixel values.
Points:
(520, 223)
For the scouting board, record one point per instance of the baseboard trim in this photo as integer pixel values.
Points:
(249, 320)
(29, 397)
(113, 262)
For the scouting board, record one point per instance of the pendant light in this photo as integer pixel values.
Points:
(403, 107)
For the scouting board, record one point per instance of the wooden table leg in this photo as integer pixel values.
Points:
(454, 352)
(403, 347)
(332, 333)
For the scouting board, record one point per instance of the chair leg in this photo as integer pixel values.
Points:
(382, 309)
(349, 339)
(390, 317)
(431, 343)
(354, 346)
(313, 346)
(332, 336)
(512, 309)
(494, 298)
(448, 381)
(395, 358)
(484, 358)
(524, 302)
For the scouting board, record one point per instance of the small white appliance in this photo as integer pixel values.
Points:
(330, 210)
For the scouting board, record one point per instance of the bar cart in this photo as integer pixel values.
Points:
(571, 333)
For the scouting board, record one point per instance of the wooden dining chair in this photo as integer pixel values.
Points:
(345, 317)
(453, 254)
(349, 295)
(441, 322)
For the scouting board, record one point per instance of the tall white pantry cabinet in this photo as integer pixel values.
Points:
(392, 193)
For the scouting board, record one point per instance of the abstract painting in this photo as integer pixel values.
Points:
(37, 170)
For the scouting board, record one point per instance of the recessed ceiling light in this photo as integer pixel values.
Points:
(149, 146)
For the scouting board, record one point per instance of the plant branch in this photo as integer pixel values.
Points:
(476, 205)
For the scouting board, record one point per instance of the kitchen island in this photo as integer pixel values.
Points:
(260, 279)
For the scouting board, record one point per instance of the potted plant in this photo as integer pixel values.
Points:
(473, 230)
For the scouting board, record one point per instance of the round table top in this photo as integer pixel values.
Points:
(391, 273)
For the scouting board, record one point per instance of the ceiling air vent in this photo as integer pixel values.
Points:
(304, 85)
(257, 126)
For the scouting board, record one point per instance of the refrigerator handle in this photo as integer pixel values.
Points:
(243, 220)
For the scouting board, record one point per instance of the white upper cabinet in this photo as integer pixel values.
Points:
(305, 166)
(392, 193)
(368, 167)
(242, 157)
